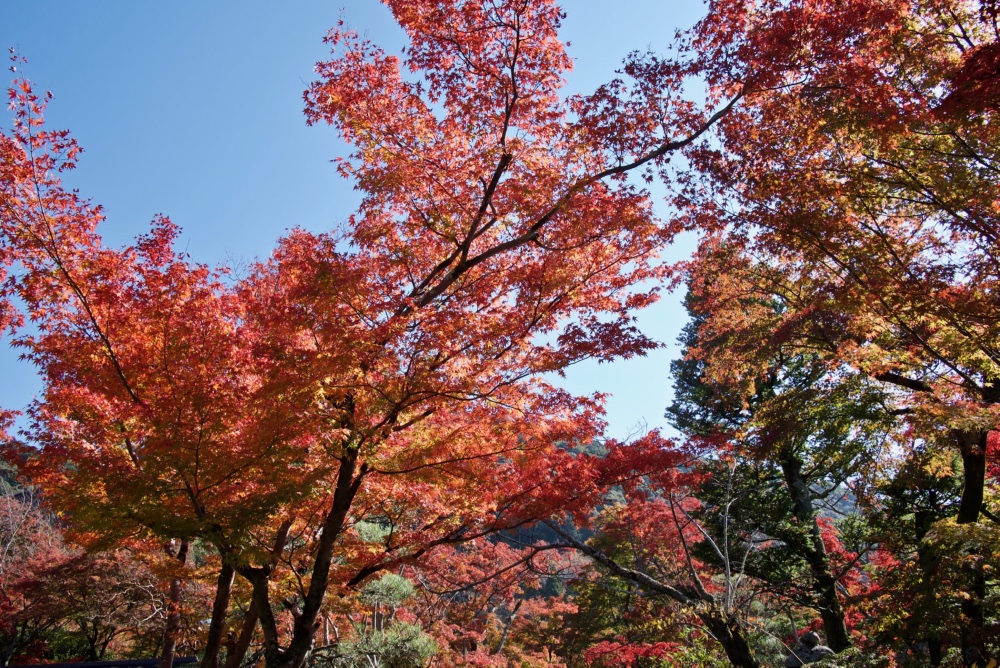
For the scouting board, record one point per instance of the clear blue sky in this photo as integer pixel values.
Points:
(193, 109)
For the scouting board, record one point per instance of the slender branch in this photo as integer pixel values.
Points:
(635, 576)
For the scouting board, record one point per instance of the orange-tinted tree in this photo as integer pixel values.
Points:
(381, 372)
(863, 183)
(856, 187)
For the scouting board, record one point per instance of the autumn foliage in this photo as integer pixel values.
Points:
(354, 451)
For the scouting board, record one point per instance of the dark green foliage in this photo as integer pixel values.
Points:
(777, 461)
(398, 645)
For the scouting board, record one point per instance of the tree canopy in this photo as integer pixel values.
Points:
(351, 451)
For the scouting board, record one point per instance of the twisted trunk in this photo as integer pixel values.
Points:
(349, 479)
(732, 637)
(260, 609)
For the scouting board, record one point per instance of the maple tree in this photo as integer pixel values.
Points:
(880, 222)
(377, 373)
(28, 543)
(58, 601)
(332, 415)
(656, 529)
(107, 603)
(621, 623)
(856, 188)
(144, 364)
(493, 601)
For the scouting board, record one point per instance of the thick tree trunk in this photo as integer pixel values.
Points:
(234, 658)
(972, 445)
(261, 606)
(305, 627)
(173, 626)
(824, 583)
(220, 609)
(732, 637)
(91, 641)
(236, 651)
(832, 612)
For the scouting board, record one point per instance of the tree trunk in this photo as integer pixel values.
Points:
(732, 637)
(173, 626)
(220, 608)
(261, 606)
(832, 612)
(824, 583)
(91, 640)
(8, 650)
(506, 627)
(929, 561)
(305, 626)
(238, 650)
(972, 445)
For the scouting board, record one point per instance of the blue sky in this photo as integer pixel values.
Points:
(194, 110)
